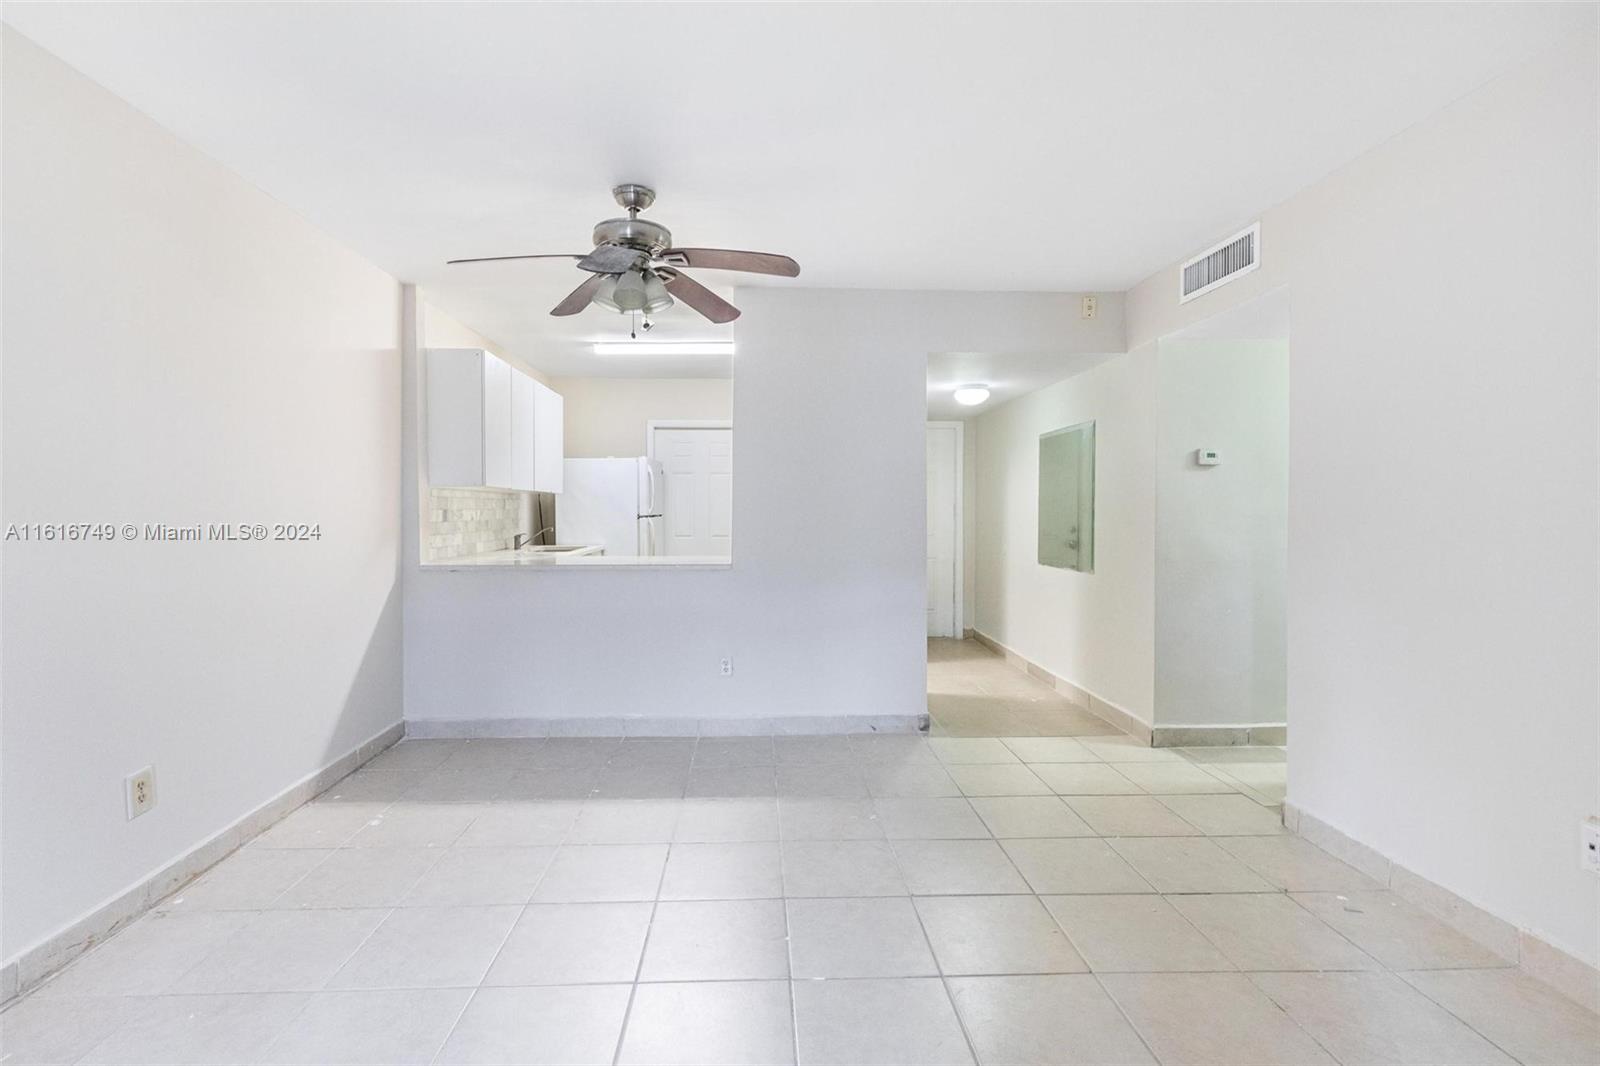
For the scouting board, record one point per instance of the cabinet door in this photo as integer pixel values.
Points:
(496, 422)
(522, 423)
(455, 416)
(549, 446)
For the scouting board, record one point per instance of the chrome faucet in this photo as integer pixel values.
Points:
(521, 540)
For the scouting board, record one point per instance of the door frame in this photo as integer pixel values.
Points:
(960, 581)
(653, 424)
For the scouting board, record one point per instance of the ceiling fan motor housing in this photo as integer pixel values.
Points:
(648, 237)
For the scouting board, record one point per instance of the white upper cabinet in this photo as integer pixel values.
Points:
(549, 447)
(490, 425)
(497, 443)
(522, 432)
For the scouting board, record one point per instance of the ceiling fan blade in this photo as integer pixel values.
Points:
(503, 258)
(578, 298)
(697, 296)
(730, 259)
(610, 259)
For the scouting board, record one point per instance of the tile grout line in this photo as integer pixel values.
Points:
(944, 982)
(1383, 969)
(644, 948)
(510, 931)
(308, 993)
(1290, 1018)
(458, 987)
(1121, 1011)
(788, 953)
(1399, 975)
(1237, 969)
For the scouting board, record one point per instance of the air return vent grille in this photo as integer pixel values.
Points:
(1220, 264)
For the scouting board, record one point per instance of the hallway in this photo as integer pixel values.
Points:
(972, 692)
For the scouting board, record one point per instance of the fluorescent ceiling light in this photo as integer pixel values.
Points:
(971, 395)
(663, 348)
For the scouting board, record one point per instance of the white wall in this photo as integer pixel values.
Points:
(969, 524)
(1442, 506)
(1095, 630)
(441, 330)
(608, 416)
(1182, 620)
(823, 610)
(178, 348)
(1221, 532)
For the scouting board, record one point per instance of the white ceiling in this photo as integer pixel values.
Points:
(1267, 317)
(953, 146)
(1007, 376)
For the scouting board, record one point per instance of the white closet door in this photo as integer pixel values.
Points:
(698, 464)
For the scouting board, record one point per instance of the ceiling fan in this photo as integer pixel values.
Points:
(635, 269)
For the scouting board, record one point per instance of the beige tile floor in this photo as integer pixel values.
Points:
(888, 899)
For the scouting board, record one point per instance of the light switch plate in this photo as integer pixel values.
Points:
(1590, 843)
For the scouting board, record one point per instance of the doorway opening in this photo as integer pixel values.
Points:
(973, 691)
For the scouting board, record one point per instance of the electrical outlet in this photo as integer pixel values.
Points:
(725, 667)
(1091, 306)
(141, 791)
(1590, 842)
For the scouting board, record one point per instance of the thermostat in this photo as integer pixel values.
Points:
(1207, 457)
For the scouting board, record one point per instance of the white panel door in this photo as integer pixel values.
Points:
(943, 559)
(698, 464)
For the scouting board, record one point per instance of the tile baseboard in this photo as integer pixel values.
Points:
(1566, 974)
(1219, 736)
(796, 725)
(34, 964)
(1123, 720)
(1189, 736)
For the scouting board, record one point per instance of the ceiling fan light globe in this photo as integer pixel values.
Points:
(656, 296)
(603, 295)
(630, 292)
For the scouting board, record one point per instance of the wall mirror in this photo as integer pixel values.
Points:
(1066, 498)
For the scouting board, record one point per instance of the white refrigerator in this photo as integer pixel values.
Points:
(615, 503)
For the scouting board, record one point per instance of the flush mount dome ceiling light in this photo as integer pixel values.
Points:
(635, 269)
(971, 395)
